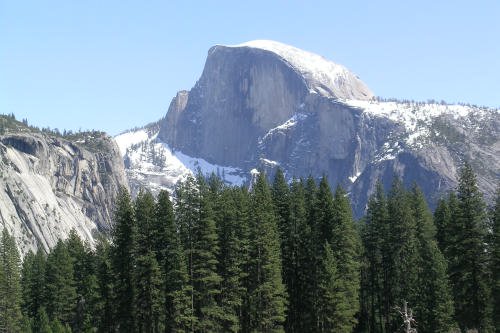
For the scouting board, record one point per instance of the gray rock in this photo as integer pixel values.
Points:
(50, 185)
(265, 104)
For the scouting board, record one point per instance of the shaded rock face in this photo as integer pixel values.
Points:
(255, 108)
(49, 185)
(240, 96)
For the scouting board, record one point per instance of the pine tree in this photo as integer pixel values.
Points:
(468, 267)
(495, 263)
(297, 263)
(42, 322)
(57, 327)
(280, 194)
(177, 302)
(205, 279)
(186, 214)
(33, 283)
(147, 275)
(105, 306)
(314, 256)
(448, 230)
(232, 225)
(267, 295)
(123, 263)
(324, 213)
(376, 245)
(60, 285)
(149, 297)
(144, 212)
(85, 283)
(329, 297)
(10, 286)
(442, 220)
(402, 276)
(433, 306)
(346, 249)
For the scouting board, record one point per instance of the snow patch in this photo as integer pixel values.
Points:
(415, 117)
(353, 178)
(153, 163)
(323, 76)
(292, 122)
(129, 139)
(269, 162)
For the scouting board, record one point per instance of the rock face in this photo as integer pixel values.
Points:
(263, 104)
(50, 185)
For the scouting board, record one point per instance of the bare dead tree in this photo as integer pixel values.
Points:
(407, 316)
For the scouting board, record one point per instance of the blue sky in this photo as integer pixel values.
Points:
(113, 65)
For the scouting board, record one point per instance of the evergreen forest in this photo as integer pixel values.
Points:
(276, 257)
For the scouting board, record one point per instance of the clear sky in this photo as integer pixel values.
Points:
(116, 64)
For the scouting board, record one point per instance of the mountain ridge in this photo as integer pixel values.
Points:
(251, 109)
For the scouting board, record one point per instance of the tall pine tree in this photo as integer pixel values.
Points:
(468, 268)
(170, 254)
(495, 263)
(123, 262)
(433, 305)
(232, 225)
(33, 283)
(267, 294)
(376, 244)
(60, 287)
(346, 247)
(10, 285)
(147, 275)
(205, 249)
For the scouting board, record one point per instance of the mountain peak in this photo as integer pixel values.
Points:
(323, 76)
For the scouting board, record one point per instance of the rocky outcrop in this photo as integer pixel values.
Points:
(50, 185)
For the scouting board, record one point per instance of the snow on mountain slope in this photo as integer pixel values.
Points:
(263, 104)
(417, 117)
(322, 76)
(152, 164)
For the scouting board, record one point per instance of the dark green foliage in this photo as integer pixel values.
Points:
(495, 262)
(231, 213)
(403, 257)
(60, 288)
(33, 283)
(122, 261)
(149, 300)
(205, 250)
(144, 210)
(324, 213)
(10, 286)
(329, 294)
(280, 194)
(86, 284)
(286, 258)
(177, 291)
(403, 263)
(105, 307)
(297, 264)
(147, 274)
(346, 248)
(433, 304)
(468, 270)
(442, 221)
(42, 322)
(376, 266)
(57, 327)
(267, 294)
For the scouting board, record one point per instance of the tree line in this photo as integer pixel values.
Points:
(277, 257)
